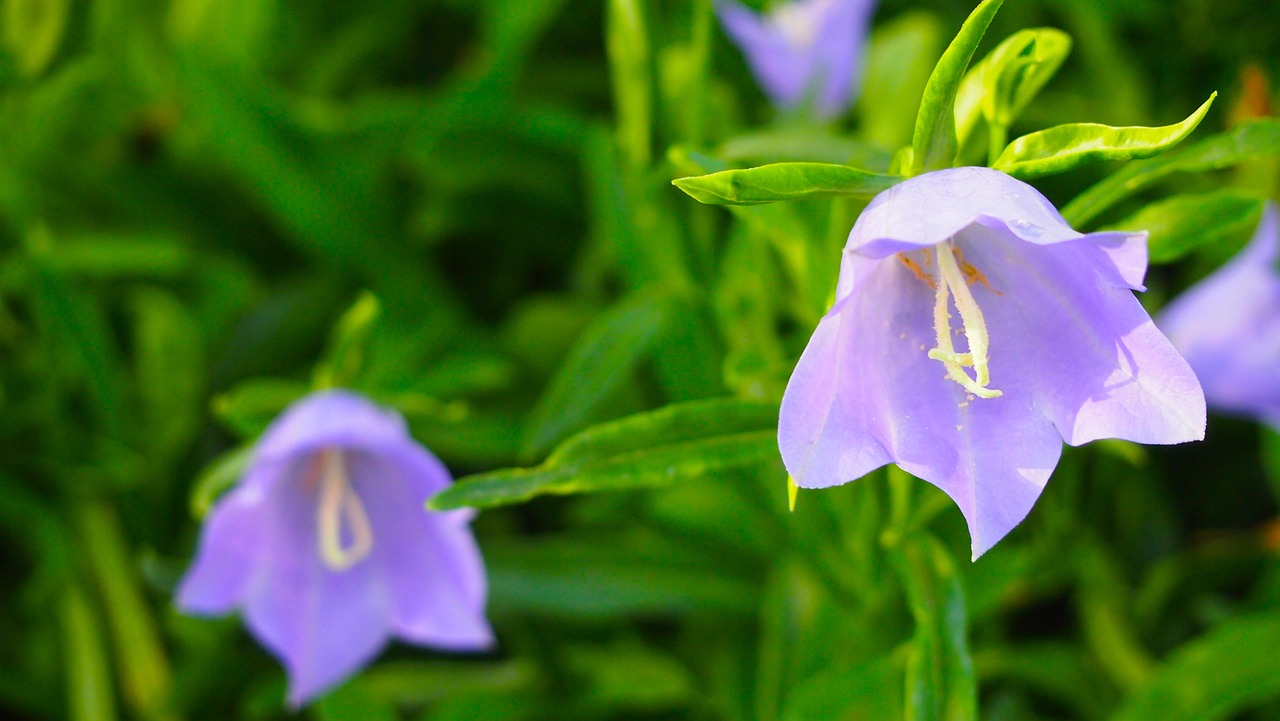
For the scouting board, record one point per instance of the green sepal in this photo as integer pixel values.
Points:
(1244, 142)
(933, 142)
(1067, 147)
(679, 442)
(1182, 223)
(784, 181)
(996, 91)
(218, 477)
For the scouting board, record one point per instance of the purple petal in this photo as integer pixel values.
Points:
(817, 58)
(323, 624)
(867, 393)
(227, 555)
(928, 209)
(429, 561)
(1228, 328)
(331, 418)
(1085, 349)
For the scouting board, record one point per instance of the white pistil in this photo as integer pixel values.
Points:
(339, 503)
(953, 287)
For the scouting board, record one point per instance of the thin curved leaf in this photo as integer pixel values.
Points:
(933, 143)
(783, 181)
(678, 442)
(1182, 223)
(1066, 147)
(1243, 142)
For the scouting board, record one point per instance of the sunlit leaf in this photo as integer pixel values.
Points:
(1245, 142)
(933, 142)
(784, 181)
(1066, 147)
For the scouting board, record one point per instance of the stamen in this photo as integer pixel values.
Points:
(952, 286)
(338, 503)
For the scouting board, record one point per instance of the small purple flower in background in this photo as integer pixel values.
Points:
(327, 548)
(809, 50)
(1228, 328)
(1051, 346)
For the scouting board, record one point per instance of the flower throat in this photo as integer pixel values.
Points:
(952, 286)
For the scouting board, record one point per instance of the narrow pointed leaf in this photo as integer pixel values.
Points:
(934, 144)
(677, 443)
(1228, 670)
(1066, 147)
(941, 685)
(1244, 142)
(1182, 223)
(1000, 87)
(602, 359)
(784, 181)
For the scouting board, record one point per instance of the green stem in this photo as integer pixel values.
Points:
(89, 693)
(144, 671)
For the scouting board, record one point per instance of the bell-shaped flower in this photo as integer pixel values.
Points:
(1228, 328)
(807, 51)
(327, 549)
(973, 332)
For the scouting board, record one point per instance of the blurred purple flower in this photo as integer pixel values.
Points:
(326, 546)
(808, 50)
(1051, 346)
(1228, 327)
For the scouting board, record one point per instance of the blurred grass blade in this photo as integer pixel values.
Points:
(941, 685)
(597, 365)
(783, 181)
(680, 442)
(996, 91)
(1246, 141)
(90, 696)
(933, 142)
(32, 31)
(1066, 147)
(627, 43)
(145, 679)
(1215, 677)
(1182, 223)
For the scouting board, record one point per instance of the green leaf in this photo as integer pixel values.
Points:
(1244, 142)
(1217, 676)
(627, 43)
(218, 477)
(32, 31)
(349, 343)
(602, 359)
(1066, 147)
(995, 92)
(934, 143)
(169, 364)
(784, 181)
(1180, 224)
(250, 407)
(941, 685)
(677, 443)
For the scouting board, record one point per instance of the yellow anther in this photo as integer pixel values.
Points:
(952, 287)
(339, 503)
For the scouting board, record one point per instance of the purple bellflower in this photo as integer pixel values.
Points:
(327, 549)
(1050, 346)
(803, 51)
(1228, 328)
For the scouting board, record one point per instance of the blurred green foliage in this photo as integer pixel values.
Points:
(463, 209)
